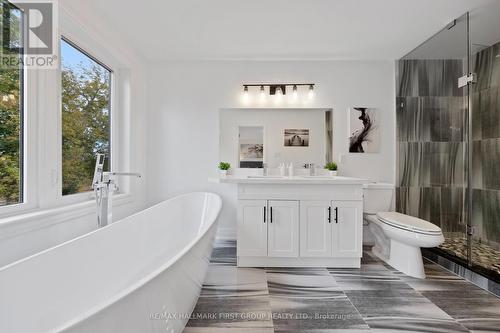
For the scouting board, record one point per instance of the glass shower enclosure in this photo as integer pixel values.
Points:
(448, 138)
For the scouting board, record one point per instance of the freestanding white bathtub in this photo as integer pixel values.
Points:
(141, 274)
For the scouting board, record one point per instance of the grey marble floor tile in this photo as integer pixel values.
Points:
(227, 330)
(237, 312)
(223, 280)
(308, 315)
(468, 303)
(302, 282)
(406, 324)
(374, 298)
(377, 278)
(482, 325)
(309, 300)
(224, 252)
(376, 304)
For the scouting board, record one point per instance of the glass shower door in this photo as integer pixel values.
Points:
(485, 142)
(432, 135)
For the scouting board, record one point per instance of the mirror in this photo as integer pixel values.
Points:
(251, 137)
(251, 146)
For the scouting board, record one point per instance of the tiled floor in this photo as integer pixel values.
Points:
(374, 298)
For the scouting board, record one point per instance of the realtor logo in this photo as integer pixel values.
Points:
(28, 35)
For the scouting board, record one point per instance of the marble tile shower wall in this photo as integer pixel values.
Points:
(485, 100)
(430, 131)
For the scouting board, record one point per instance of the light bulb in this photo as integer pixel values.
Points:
(279, 94)
(311, 91)
(295, 94)
(246, 96)
(262, 93)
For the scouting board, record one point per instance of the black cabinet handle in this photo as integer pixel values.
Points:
(329, 214)
(336, 214)
(271, 215)
(264, 214)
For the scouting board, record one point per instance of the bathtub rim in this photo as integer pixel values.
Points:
(142, 281)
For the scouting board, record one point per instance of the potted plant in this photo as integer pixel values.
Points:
(332, 168)
(223, 168)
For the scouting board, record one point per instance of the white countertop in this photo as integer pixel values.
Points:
(312, 180)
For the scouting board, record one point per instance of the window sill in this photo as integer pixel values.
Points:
(31, 220)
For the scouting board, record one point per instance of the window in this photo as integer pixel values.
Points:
(86, 119)
(11, 107)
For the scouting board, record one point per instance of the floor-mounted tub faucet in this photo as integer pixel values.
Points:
(104, 184)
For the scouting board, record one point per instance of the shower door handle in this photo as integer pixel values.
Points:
(271, 220)
(336, 214)
(329, 214)
(264, 214)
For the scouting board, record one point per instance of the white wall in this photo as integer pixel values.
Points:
(50, 223)
(183, 134)
(274, 122)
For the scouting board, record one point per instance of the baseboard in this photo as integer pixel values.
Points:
(298, 262)
(226, 233)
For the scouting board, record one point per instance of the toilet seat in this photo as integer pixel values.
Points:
(409, 223)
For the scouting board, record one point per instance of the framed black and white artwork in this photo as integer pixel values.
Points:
(296, 138)
(364, 131)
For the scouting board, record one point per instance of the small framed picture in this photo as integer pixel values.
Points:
(296, 138)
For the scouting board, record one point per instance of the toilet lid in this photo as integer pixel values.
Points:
(408, 222)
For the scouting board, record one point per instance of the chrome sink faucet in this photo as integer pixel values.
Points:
(265, 169)
(311, 167)
(104, 184)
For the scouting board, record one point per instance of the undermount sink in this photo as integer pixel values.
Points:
(317, 177)
(266, 177)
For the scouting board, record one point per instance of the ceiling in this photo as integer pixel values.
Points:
(279, 29)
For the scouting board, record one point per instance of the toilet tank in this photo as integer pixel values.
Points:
(378, 197)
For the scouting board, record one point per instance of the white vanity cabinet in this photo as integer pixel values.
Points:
(268, 228)
(315, 229)
(252, 228)
(347, 229)
(307, 225)
(283, 228)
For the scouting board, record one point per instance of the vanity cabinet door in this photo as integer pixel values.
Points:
(283, 229)
(252, 228)
(347, 228)
(315, 229)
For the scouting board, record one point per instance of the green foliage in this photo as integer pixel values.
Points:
(224, 166)
(85, 124)
(10, 125)
(332, 166)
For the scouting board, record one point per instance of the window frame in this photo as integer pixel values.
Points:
(27, 142)
(42, 114)
(89, 194)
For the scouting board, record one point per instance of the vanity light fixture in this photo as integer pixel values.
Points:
(279, 88)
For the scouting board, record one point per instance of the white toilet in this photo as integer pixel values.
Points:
(398, 237)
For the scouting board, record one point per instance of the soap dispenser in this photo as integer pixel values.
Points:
(282, 169)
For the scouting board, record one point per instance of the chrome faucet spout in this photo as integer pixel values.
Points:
(131, 174)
